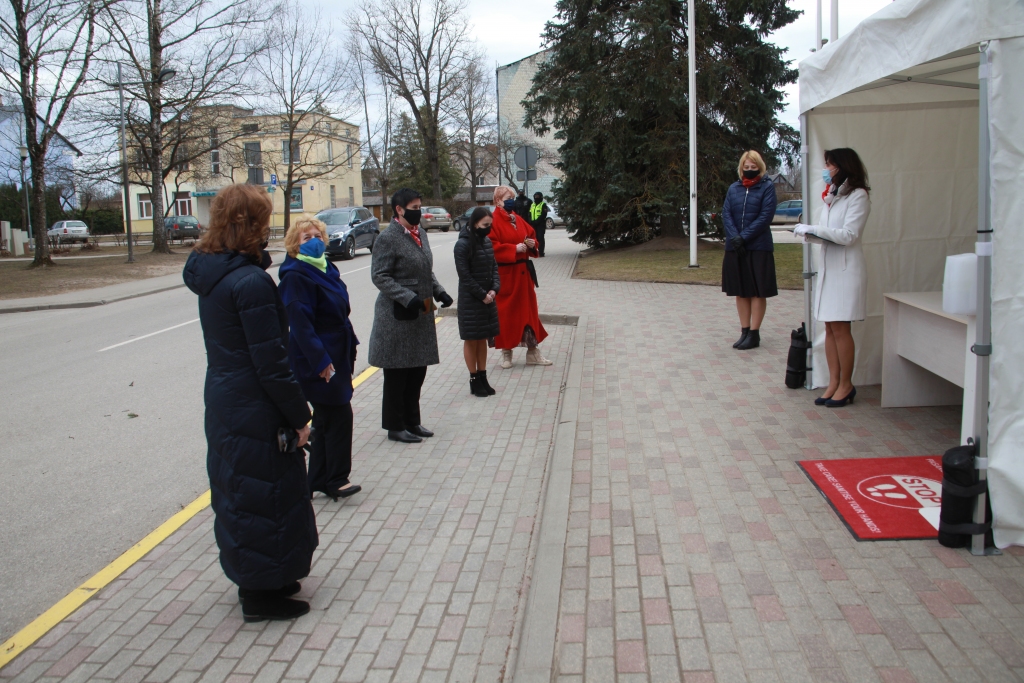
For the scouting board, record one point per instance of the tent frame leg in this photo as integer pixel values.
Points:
(805, 191)
(982, 347)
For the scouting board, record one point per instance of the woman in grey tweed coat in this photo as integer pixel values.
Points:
(403, 341)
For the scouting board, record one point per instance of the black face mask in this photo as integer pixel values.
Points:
(412, 216)
(483, 232)
(750, 175)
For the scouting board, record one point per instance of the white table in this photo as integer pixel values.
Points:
(926, 356)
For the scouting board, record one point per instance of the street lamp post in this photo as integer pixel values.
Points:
(23, 150)
(165, 74)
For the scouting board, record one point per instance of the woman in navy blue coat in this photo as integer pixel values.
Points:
(264, 522)
(748, 269)
(322, 349)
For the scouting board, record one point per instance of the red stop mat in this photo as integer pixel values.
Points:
(882, 498)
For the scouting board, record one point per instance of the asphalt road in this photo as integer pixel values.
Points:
(82, 479)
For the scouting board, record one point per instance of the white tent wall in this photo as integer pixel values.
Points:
(1006, 412)
(922, 162)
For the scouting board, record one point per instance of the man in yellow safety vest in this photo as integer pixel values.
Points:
(539, 219)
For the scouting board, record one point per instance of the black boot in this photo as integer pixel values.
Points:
(478, 386)
(751, 341)
(285, 592)
(482, 378)
(268, 606)
(743, 336)
(473, 381)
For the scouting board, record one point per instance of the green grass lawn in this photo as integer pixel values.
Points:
(639, 264)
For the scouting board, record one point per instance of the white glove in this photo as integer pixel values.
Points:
(800, 229)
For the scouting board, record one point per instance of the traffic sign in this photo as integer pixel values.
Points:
(526, 157)
(273, 179)
(527, 175)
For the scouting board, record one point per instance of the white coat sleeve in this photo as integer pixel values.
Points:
(856, 218)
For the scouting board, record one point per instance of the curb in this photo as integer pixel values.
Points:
(84, 304)
(548, 318)
(535, 659)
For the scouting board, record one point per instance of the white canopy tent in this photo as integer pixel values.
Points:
(903, 89)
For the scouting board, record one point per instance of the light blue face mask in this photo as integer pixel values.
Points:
(826, 176)
(313, 248)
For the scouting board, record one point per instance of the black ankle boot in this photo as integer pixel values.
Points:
(268, 606)
(752, 341)
(743, 335)
(473, 381)
(283, 592)
(477, 385)
(482, 379)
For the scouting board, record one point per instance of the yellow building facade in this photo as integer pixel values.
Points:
(238, 146)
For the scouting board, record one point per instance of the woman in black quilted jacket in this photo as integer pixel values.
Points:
(478, 287)
(264, 522)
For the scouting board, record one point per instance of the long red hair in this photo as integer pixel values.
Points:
(239, 221)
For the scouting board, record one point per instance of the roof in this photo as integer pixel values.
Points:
(11, 110)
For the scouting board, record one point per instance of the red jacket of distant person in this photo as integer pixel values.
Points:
(517, 300)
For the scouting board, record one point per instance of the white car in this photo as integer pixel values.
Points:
(553, 218)
(64, 232)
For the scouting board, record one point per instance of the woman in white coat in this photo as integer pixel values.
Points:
(842, 278)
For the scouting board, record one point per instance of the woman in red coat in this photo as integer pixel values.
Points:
(514, 243)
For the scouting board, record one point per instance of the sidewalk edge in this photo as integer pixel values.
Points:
(535, 659)
(86, 304)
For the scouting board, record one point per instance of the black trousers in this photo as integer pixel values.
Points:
(330, 456)
(539, 229)
(401, 408)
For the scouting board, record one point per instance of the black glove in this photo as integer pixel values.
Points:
(415, 306)
(737, 243)
(445, 300)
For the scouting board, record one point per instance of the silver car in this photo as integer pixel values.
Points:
(68, 232)
(553, 218)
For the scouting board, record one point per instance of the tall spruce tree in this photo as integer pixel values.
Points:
(614, 89)
(411, 166)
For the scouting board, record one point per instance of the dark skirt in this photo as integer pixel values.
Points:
(749, 274)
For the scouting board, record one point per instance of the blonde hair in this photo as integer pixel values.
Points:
(292, 239)
(751, 155)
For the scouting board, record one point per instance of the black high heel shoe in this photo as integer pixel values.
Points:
(832, 403)
(821, 400)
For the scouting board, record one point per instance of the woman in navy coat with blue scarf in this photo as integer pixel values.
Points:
(322, 350)
(748, 269)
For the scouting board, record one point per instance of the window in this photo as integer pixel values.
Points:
(296, 203)
(214, 152)
(480, 181)
(330, 152)
(325, 126)
(254, 160)
(351, 196)
(250, 127)
(334, 196)
(285, 127)
(145, 206)
(348, 154)
(182, 204)
(292, 155)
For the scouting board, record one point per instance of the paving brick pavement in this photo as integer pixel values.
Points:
(696, 550)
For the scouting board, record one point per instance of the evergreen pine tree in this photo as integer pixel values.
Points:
(615, 90)
(411, 166)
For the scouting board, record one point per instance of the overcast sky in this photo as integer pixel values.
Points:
(509, 32)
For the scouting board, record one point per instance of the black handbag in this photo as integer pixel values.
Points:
(403, 313)
(533, 273)
(796, 363)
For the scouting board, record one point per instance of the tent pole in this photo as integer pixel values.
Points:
(982, 347)
(833, 22)
(805, 193)
(692, 102)
(817, 38)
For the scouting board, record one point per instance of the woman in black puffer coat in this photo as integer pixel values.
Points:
(478, 287)
(264, 522)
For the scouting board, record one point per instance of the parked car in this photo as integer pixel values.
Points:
(462, 220)
(65, 232)
(436, 217)
(791, 211)
(348, 229)
(180, 227)
(553, 218)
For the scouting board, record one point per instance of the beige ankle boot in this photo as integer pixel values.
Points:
(533, 357)
(506, 358)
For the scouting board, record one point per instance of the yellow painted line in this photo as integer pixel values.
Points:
(76, 598)
(42, 624)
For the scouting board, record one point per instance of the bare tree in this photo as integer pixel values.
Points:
(380, 128)
(509, 139)
(420, 47)
(472, 112)
(305, 84)
(206, 44)
(46, 51)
